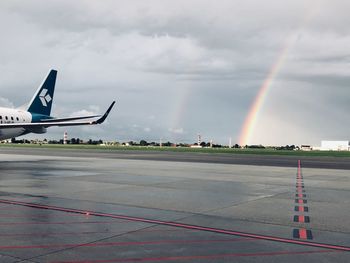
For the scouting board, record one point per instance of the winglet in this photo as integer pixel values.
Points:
(103, 118)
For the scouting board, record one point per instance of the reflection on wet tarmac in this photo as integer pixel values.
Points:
(254, 199)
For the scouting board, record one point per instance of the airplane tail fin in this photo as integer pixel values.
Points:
(42, 100)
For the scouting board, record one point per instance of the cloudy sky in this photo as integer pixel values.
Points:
(179, 68)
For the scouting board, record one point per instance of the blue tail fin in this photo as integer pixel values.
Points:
(42, 100)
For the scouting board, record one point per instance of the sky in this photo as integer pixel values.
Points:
(182, 68)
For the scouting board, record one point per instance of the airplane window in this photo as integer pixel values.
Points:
(11, 118)
(6, 117)
(17, 118)
(0, 117)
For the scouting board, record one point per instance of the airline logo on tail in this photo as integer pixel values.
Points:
(44, 97)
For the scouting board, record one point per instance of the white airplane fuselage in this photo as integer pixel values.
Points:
(37, 117)
(7, 116)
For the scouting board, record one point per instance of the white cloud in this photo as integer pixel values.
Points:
(6, 103)
(92, 110)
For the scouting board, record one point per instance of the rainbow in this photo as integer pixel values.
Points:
(183, 99)
(251, 119)
(249, 124)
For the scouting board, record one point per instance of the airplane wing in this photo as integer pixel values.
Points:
(69, 118)
(60, 122)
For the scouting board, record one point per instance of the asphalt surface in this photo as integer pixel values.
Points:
(220, 158)
(98, 206)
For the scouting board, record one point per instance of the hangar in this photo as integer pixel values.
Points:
(334, 146)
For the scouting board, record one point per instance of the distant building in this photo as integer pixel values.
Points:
(334, 146)
(306, 147)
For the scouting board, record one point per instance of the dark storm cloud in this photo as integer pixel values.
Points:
(150, 55)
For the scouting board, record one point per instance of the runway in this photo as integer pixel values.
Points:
(222, 158)
(100, 206)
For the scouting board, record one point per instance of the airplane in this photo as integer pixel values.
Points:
(37, 116)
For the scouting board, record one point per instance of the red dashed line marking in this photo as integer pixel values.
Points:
(302, 234)
(302, 219)
(300, 201)
(301, 209)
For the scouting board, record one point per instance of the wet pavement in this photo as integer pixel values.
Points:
(98, 207)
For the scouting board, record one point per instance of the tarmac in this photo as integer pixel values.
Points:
(138, 206)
